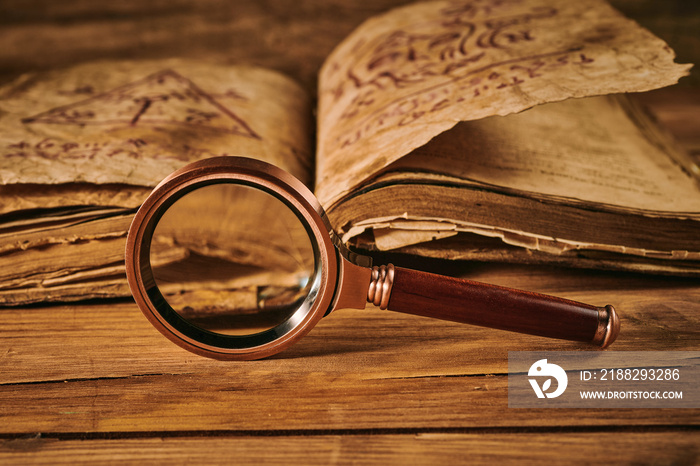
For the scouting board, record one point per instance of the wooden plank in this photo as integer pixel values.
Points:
(101, 368)
(115, 340)
(229, 402)
(533, 448)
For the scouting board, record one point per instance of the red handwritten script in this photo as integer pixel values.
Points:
(161, 99)
(467, 54)
(132, 148)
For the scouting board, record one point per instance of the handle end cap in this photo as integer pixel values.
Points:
(612, 327)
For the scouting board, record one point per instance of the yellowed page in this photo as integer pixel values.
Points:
(136, 122)
(34, 196)
(592, 150)
(402, 78)
(601, 153)
(87, 143)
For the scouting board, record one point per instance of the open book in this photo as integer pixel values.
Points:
(411, 150)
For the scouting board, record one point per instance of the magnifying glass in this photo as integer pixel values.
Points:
(234, 258)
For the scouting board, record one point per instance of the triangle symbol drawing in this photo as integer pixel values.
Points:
(163, 98)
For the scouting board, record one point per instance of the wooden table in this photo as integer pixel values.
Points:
(95, 382)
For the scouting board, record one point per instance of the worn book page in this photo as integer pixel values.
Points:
(402, 78)
(601, 153)
(57, 272)
(598, 150)
(81, 148)
(444, 208)
(136, 122)
(17, 197)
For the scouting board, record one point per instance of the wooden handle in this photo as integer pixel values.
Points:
(470, 302)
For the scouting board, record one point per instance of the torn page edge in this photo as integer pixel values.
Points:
(434, 228)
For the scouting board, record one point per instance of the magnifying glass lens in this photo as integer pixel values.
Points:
(232, 259)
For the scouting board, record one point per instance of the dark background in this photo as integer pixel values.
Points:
(291, 36)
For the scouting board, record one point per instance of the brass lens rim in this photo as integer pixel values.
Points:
(249, 172)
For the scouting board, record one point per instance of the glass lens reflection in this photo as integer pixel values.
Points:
(232, 259)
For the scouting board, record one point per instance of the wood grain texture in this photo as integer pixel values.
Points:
(101, 368)
(427, 448)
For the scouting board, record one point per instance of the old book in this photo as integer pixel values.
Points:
(446, 129)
